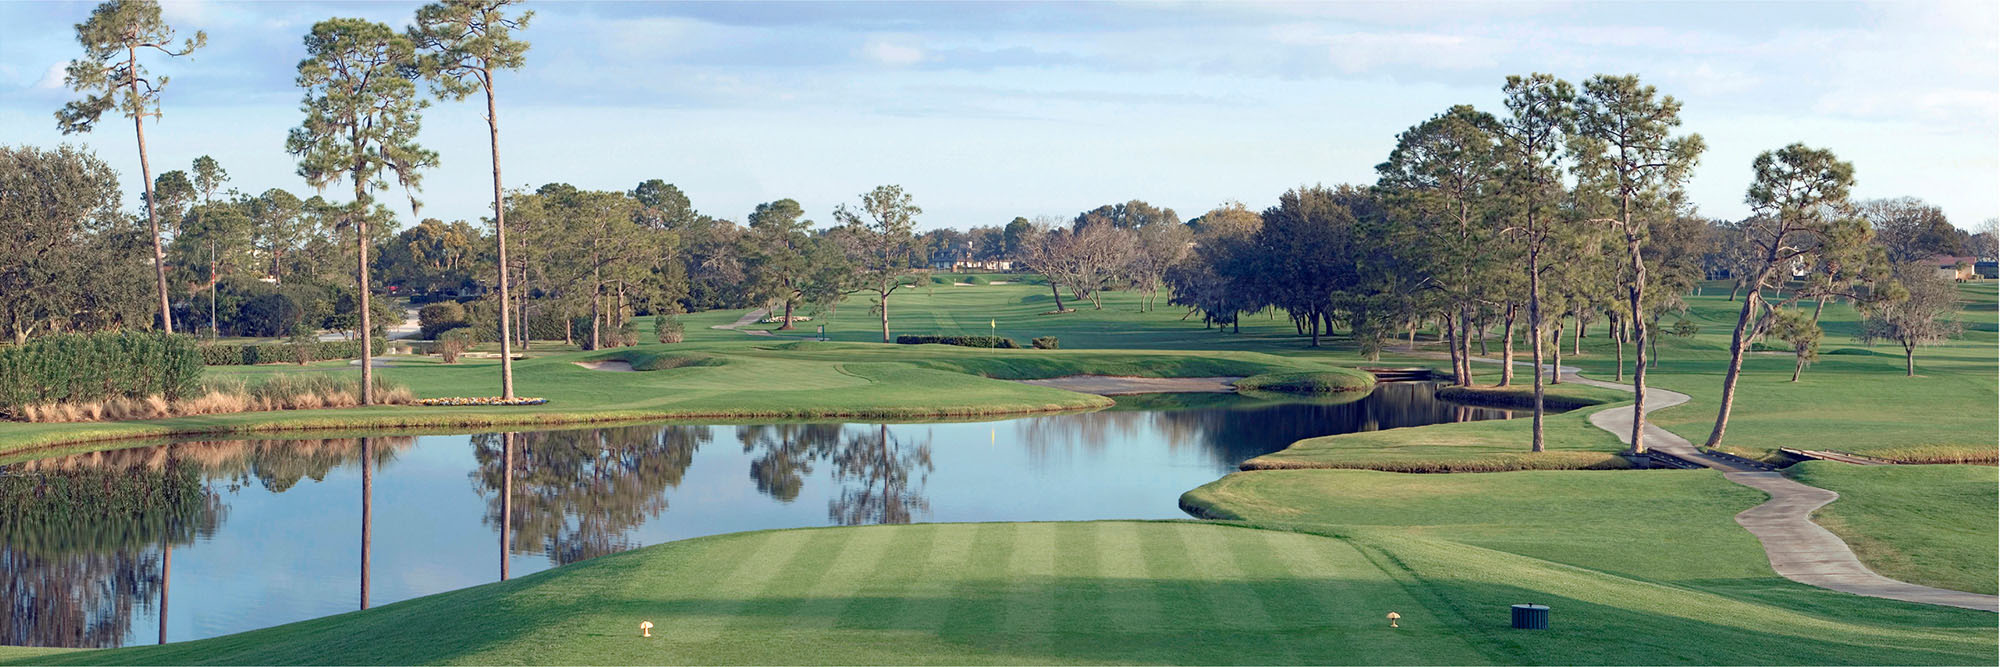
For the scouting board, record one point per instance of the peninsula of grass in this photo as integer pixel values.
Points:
(1932, 525)
(1097, 592)
(1310, 382)
(1476, 446)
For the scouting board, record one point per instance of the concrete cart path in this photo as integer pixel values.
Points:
(1799, 549)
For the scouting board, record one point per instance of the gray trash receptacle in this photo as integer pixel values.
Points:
(1531, 617)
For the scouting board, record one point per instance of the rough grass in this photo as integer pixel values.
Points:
(1070, 593)
(1310, 382)
(1932, 525)
(226, 396)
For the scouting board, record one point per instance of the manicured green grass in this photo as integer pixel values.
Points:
(1659, 535)
(1858, 403)
(1067, 593)
(1932, 525)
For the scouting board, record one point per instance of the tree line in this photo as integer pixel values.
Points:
(1564, 210)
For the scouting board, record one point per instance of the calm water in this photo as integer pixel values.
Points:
(235, 535)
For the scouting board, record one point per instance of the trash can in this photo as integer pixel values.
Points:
(1531, 617)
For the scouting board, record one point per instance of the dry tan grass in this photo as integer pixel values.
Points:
(227, 397)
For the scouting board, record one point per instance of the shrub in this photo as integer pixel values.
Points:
(79, 368)
(1046, 343)
(452, 343)
(975, 280)
(668, 328)
(263, 353)
(962, 341)
(440, 317)
(628, 333)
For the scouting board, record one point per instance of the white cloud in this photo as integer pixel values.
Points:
(888, 53)
(53, 78)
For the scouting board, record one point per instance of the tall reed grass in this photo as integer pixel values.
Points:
(298, 391)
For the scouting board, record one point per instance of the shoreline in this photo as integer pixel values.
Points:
(435, 423)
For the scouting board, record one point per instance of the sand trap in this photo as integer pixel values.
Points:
(613, 365)
(1117, 385)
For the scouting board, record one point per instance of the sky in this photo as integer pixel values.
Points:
(985, 112)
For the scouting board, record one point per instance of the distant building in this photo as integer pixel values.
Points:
(1987, 270)
(1953, 267)
(993, 265)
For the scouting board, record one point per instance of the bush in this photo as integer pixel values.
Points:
(452, 343)
(1046, 343)
(628, 333)
(74, 368)
(668, 328)
(962, 341)
(277, 353)
(440, 317)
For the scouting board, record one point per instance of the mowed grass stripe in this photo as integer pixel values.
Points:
(1343, 596)
(1129, 605)
(973, 616)
(772, 607)
(723, 600)
(1234, 605)
(928, 594)
(878, 603)
(821, 604)
(1031, 583)
(1078, 589)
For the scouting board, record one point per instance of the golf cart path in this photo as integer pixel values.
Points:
(747, 319)
(1799, 549)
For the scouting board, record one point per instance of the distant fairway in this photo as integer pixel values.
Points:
(1101, 592)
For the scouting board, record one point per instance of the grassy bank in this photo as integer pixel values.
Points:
(1067, 593)
(1932, 525)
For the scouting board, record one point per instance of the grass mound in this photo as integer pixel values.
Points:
(1932, 525)
(1310, 382)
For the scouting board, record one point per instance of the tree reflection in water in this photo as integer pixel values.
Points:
(1233, 428)
(86, 540)
(577, 493)
(881, 474)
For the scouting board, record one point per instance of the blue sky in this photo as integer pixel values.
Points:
(988, 111)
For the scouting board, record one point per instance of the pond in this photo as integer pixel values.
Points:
(226, 536)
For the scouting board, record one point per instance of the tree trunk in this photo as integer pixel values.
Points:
(506, 499)
(1735, 287)
(1736, 344)
(1818, 308)
(1556, 353)
(1576, 339)
(1909, 360)
(1058, 294)
(787, 324)
(1484, 323)
(213, 332)
(367, 512)
(1618, 343)
(500, 241)
(596, 303)
(1507, 348)
(884, 304)
(152, 217)
(1314, 325)
(1535, 330)
(1798, 365)
(367, 323)
(1638, 297)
